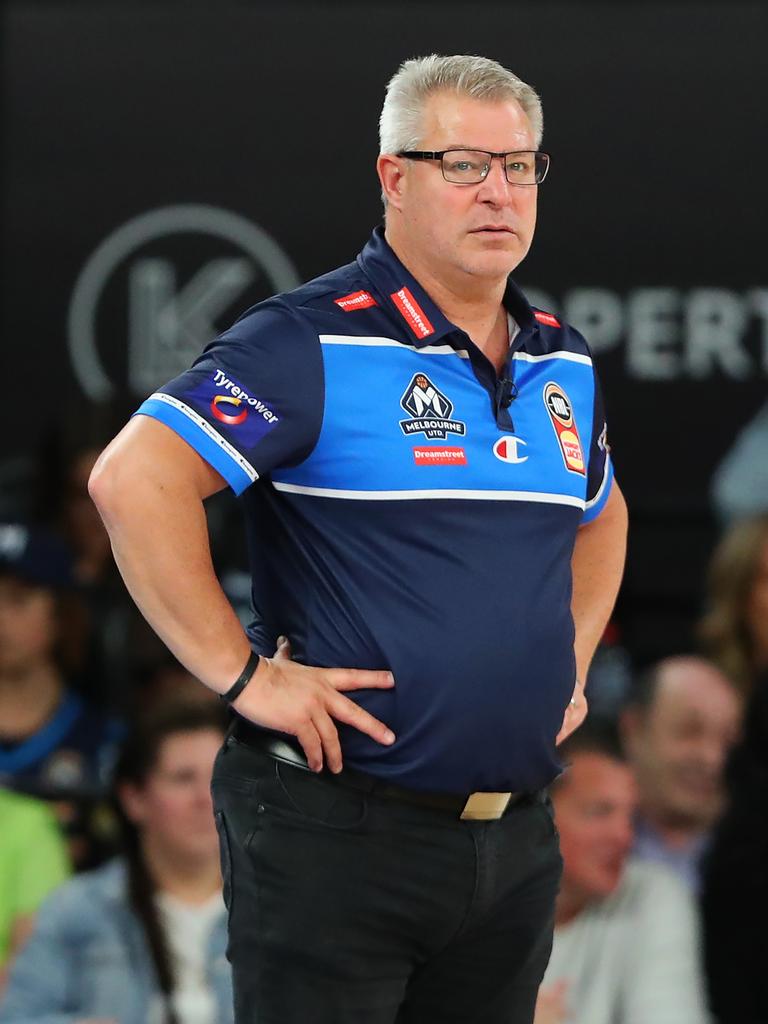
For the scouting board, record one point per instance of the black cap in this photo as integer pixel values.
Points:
(35, 555)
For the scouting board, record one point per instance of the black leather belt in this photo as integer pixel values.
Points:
(468, 806)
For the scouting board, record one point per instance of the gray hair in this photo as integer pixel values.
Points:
(400, 124)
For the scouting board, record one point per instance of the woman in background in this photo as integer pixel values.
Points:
(735, 876)
(734, 631)
(142, 939)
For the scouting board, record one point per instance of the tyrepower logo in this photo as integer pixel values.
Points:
(239, 396)
(357, 300)
(225, 403)
(439, 456)
(412, 313)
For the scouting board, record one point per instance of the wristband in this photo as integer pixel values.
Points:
(242, 680)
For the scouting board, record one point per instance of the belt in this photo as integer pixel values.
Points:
(468, 806)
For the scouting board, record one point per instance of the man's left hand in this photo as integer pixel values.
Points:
(575, 713)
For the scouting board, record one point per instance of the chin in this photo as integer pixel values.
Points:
(492, 265)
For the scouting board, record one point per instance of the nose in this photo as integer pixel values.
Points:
(495, 188)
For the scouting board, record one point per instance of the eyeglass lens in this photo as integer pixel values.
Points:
(466, 167)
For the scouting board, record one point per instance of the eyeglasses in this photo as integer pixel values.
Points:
(471, 166)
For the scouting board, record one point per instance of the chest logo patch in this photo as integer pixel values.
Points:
(567, 433)
(430, 410)
(506, 449)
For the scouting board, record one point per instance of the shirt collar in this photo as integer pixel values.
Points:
(409, 303)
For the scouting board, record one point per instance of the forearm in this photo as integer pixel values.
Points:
(597, 565)
(158, 530)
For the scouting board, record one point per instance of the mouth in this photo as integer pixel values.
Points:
(492, 229)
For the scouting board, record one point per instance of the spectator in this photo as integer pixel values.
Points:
(52, 742)
(734, 631)
(122, 647)
(681, 720)
(735, 891)
(625, 945)
(33, 861)
(142, 938)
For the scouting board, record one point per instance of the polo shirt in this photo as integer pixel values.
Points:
(409, 509)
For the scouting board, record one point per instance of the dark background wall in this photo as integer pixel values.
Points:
(169, 164)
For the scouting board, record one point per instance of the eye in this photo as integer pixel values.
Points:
(520, 167)
(465, 165)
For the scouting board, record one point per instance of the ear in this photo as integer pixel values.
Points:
(391, 171)
(131, 798)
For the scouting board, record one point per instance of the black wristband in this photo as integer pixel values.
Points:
(242, 680)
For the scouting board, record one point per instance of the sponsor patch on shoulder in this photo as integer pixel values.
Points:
(546, 318)
(440, 456)
(561, 414)
(356, 300)
(226, 404)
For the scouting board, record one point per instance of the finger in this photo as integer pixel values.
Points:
(283, 651)
(330, 740)
(345, 710)
(357, 678)
(309, 738)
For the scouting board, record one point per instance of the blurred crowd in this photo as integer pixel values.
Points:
(111, 909)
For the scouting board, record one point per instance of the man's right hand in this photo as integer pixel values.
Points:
(303, 701)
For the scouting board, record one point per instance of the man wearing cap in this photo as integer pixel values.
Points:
(53, 743)
(431, 509)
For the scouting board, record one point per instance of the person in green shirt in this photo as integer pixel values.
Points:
(33, 861)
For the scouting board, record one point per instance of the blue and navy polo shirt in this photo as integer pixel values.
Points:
(408, 508)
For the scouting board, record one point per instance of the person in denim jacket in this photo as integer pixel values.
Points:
(142, 939)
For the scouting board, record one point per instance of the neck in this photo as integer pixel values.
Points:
(29, 695)
(190, 880)
(472, 303)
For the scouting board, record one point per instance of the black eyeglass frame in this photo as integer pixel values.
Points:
(418, 154)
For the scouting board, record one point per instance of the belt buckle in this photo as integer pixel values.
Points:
(485, 806)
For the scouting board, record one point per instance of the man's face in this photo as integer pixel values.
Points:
(482, 230)
(679, 745)
(173, 808)
(27, 624)
(594, 807)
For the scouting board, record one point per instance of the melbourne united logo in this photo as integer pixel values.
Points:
(430, 410)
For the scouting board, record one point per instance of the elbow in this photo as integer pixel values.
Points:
(106, 485)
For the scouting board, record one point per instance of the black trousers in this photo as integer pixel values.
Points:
(346, 908)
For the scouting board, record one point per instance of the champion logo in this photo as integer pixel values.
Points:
(546, 318)
(440, 456)
(412, 313)
(356, 300)
(506, 449)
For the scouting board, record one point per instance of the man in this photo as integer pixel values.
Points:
(625, 947)
(409, 526)
(54, 744)
(682, 718)
(33, 861)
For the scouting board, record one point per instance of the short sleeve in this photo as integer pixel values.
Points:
(43, 865)
(253, 401)
(599, 465)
